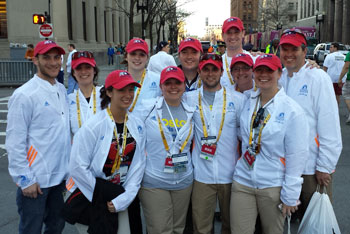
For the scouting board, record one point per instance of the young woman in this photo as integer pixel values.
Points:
(136, 58)
(167, 183)
(274, 143)
(85, 101)
(110, 146)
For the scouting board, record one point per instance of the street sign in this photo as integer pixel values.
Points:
(46, 31)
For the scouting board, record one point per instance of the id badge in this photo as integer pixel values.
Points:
(180, 162)
(119, 176)
(208, 147)
(249, 158)
(169, 166)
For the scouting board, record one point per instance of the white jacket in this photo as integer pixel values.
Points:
(312, 89)
(284, 148)
(160, 61)
(150, 89)
(220, 169)
(155, 150)
(86, 109)
(90, 149)
(38, 136)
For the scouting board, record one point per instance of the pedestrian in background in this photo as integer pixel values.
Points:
(72, 84)
(38, 143)
(162, 59)
(346, 85)
(29, 52)
(110, 53)
(167, 184)
(274, 132)
(312, 89)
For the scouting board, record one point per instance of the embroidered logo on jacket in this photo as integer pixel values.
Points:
(153, 85)
(303, 91)
(280, 118)
(47, 104)
(230, 107)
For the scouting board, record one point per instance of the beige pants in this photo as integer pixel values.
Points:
(165, 210)
(204, 197)
(247, 202)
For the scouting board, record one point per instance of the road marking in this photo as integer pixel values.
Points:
(3, 111)
(2, 146)
(5, 98)
(2, 133)
(3, 121)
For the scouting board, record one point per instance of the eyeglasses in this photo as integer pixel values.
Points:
(84, 54)
(237, 69)
(214, 57)
(259, 117)
(293, 31)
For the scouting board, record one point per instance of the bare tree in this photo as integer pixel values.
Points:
(128, 10)
(272, 13)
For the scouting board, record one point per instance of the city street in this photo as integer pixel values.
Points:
(9, 218)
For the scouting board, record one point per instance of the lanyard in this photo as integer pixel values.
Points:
(138, 91)
(172, 118)
(120, 152)
(228, 71)
(205, 131)
(261, 127)
(165, 143)
(78, 104)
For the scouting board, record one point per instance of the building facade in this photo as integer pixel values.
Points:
(247, 11)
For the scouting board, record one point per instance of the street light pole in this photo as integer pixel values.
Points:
(319, 20)
(144, 8)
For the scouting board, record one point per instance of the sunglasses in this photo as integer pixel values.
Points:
(214, 57)
(259, 117)
(82, 54)
(293, 31)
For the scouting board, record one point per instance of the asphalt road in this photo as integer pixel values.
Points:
(9, 218)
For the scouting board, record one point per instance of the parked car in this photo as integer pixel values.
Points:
(205, 46)
(322, 50)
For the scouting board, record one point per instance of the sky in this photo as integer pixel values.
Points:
(216, 11)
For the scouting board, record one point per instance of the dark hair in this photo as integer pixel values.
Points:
(105, 99)
(72, 45)
(31, 46)
(96, 70)
(335, 45)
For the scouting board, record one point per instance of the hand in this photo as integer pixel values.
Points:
(111, 207)
(312, 64)
(288, 210)
(323, 178)
(32, 191)
(340, 84)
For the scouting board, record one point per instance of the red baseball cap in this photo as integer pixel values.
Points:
(232, 22)
(172, 72)
(137, 44)
(244, 58)
(210, 58)
(81, 57)
(269, 60)
(294, 37)
(191, 42)
(44, 46)
(118, 79)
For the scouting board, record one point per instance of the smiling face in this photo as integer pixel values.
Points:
(266, 79)
(84, 74)
(137, 60)
(189, 58)
(243, 75)
(122, 98)
(210, 75)
(48, 65)
(292, 57)
(233, 38)
(172, 90)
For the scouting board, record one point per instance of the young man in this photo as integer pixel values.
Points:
(333, 65)
(162, 59)
(38, 143)
(346, 85)
(72, 84)
(214, 155)
(232, 33)
(190, 51)
(313, 91)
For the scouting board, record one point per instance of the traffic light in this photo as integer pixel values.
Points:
(38, 19)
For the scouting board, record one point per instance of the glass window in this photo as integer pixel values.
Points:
(3, 19)
(291, 6)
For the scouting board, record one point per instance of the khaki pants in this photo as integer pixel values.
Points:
(247, 202)
(165, 210)
(204, 198)
(307, 190)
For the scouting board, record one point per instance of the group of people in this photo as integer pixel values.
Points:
(236, 128)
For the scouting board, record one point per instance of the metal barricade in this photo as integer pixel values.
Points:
(16, 72)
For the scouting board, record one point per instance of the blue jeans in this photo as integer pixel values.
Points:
(46, 208)
(72, 84)
(110, 59)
